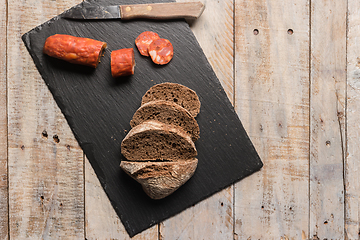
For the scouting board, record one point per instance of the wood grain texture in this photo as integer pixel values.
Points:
(45, 162)
(352, 163)
(214, 32)
(327, 118)
(101, 220)
(3, 124)
(212, 218)
(272, 100)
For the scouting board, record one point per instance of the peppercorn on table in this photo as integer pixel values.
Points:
(291, 70)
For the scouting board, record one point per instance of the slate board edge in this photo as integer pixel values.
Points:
(131, 232)
(128, 228)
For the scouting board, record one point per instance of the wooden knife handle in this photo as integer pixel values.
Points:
(162, 10)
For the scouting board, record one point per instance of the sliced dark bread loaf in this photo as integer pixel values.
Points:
(160, 179)
(176, 93)
(167, 112)
(153, 140)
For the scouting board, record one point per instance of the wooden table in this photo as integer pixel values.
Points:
(292, 71)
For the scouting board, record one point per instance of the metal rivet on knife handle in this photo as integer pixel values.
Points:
(128, 9)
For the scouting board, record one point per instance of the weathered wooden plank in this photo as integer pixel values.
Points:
(101, 219)
(3, 125)
(272, 100)
(352, 163)
(209, 219)
(327, 121)
(46, 190)
(214, 32)
(213, 217)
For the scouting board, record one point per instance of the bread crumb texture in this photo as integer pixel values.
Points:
(167, 112)
(153, 140)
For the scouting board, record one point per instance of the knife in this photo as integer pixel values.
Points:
(171, 10)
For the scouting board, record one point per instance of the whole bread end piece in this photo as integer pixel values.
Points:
(177, 93)
(160, 179)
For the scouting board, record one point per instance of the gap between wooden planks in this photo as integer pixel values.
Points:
(352, 116)
(3, 124)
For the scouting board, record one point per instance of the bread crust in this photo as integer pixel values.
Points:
(160, 179)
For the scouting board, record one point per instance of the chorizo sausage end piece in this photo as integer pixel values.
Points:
(77, 50)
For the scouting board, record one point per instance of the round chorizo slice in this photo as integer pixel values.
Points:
(161, 51)
(143, 41)
(122, 62)
(77, 50)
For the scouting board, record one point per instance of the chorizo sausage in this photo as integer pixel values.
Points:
(143, 41)
(122, 62)
(161, 51)
(77, 50)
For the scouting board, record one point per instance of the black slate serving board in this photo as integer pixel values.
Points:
(99, 108)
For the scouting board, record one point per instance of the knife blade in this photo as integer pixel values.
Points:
(172, 10)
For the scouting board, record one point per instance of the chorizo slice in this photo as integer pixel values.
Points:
(143, 41)
(77, 50)
(161, 51)
(122, 62)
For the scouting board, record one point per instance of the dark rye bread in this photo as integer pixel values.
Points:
(160, 179)
(174, 92)
(167, 112)
(153, 140)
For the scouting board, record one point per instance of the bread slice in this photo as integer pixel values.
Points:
(169, 113)
(176, 93)
(160, 179)
(153, 140)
